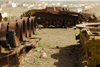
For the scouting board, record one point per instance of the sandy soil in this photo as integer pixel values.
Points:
(58, 37)
(14, 12)
(63, 50)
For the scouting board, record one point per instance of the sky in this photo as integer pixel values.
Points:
(46, 0)
(69, 0)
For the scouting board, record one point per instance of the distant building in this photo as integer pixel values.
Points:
(0, 9)
(4, 14)
(25, 5)
(31, 7)
(14, 5)
(10, 2)
(3, 5)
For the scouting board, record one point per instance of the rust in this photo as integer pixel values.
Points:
(3, 36)
(32, 21)
(4, 29)
(21, 28)
(89, 38)
(26, 20)
(0, 26)
(58, 17)
(13, 26)
(12, 36)
(12, 59)
(0, 17)
(87, 25)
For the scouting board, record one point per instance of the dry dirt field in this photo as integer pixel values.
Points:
(59, 45)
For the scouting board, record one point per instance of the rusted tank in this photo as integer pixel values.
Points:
(58, 17)
(90, 39)
(14, 40)
(11, 33)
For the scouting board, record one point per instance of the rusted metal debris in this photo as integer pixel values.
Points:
(20, 27)
(0, 17)
(59, 17)
(90, 39)
(13, 35)
(12, 59)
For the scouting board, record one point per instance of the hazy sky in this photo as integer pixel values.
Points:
(69, 0)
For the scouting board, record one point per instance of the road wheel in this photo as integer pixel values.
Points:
(11, 38)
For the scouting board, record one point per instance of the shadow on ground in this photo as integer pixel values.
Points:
(68, 56)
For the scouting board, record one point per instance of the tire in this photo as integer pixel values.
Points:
(11, 38)
(4, 44)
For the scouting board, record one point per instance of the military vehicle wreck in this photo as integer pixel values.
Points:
(89, 38)
(15, 40)
(59, 17)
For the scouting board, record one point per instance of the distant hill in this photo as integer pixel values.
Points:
(67, 1)
(19, 0)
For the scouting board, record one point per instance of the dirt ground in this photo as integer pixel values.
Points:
(60, 49)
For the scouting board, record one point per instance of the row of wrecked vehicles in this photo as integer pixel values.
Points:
(13, 32)
(87, 23)
(58, 17)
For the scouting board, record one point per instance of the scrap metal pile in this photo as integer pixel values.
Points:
(59, 17)
(13, 38)
(90, 40)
